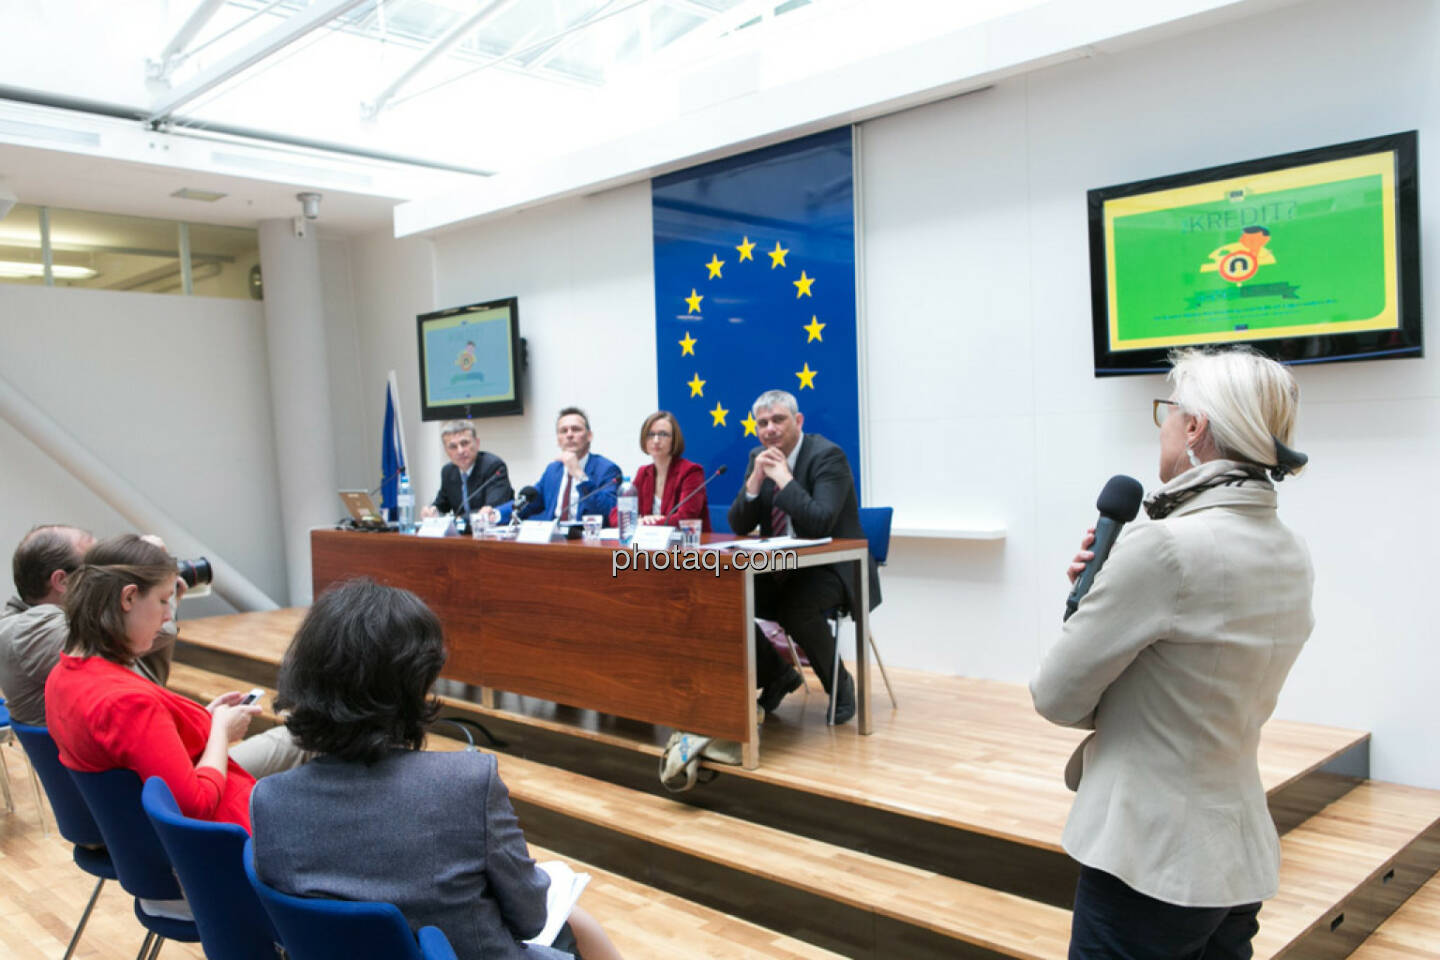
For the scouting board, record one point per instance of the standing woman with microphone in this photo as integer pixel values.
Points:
(1175, 659)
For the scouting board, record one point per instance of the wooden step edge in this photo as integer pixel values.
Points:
(1411, 932)
(954, 908)
(706, 931)
(1377, 834)
(553, 726)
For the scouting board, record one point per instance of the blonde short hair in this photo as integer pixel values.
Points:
(1249, 400)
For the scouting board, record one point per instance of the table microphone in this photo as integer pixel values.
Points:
(465, 503)
(1118, 504)
(718, 471)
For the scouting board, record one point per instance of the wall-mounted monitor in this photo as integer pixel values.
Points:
(1309, 257)
(470, 361)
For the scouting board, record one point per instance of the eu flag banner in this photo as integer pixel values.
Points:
(754, 291)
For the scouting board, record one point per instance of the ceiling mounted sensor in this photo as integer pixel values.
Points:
(7, 199)
(204, 196)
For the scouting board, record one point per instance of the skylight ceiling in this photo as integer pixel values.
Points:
(483, 84)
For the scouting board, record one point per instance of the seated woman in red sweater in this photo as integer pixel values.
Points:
(669, 478)
(104, 717)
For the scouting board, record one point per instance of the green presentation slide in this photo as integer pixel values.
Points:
(1298, 252)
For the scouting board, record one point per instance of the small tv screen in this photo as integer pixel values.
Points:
(1309, 257)
(470, 361)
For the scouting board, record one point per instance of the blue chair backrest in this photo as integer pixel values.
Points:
(206, 857)
(72, 816)
(876, 521)
(312, 928)
(114, 800)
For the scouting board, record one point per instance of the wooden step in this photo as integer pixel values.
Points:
(1348, 867)
(1411, 933)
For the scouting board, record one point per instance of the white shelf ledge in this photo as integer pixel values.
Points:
(950, 533)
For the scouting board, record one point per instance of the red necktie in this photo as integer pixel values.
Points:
(565, 500)
(778, 518)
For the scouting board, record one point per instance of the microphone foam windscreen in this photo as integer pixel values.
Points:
(1120, 499)
(529, 493)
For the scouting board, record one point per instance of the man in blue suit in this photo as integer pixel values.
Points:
(577, 482)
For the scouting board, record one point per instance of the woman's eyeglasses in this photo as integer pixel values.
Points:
(659, 435)
(1160, 410)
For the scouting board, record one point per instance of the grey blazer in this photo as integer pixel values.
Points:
(1175, 660)
(432, 833)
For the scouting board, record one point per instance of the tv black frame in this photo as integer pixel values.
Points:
(1336, 348)
(490, 408)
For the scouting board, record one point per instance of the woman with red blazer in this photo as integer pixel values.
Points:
(669, 478)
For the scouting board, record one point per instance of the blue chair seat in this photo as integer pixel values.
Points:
(97, 863)
(876, 521)
(313, 928)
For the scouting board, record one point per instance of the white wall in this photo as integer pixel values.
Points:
(976, 264)
(171, 393)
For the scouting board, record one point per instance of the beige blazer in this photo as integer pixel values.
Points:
(1175, 659)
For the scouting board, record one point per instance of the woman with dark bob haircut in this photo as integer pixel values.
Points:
(669, 487)
(441, 840)
(104, 716)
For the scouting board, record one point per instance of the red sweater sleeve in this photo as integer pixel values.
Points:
(696, 508)
(141, 734)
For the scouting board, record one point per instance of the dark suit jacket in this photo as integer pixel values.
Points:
(820, 501)
(600, 477)
(497, 489)
(681, 480)
(432, 833)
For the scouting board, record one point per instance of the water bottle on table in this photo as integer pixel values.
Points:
(405, 504)
(627, 506)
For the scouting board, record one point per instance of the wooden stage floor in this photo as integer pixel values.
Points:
(959, 752)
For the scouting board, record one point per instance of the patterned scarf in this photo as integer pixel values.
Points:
(1207, 476)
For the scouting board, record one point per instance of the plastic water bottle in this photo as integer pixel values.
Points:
(405, 504)
(627, 505)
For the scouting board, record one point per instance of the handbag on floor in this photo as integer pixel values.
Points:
(680, 762)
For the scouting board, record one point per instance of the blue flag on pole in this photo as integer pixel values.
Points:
(755, 290)
(392, 450)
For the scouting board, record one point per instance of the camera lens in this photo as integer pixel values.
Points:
(194, 572)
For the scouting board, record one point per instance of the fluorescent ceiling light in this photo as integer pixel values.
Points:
(19, 270)
(204, 196)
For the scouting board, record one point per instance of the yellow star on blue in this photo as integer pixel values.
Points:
(696, 385)
(802, 286)
(777, 256)
(749, 424)
(807, 377)
(687, 346)
(718, 415)
(694, 300)
(714, 266)
(813, 328)
(746, 248)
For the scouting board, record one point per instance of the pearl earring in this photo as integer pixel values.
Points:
(1194, 460)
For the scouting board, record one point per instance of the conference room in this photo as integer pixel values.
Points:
(735, 383)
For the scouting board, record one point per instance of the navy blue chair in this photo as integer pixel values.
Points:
(876, 522)
(140, 861)
(72, 816)
(5, 732)
(206, 857)
(312, 928)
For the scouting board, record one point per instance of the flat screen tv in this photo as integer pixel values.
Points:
(470, 361)
(1309, 257)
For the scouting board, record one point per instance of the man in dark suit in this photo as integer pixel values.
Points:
(577, 482)
(799, 485)
(471, 473)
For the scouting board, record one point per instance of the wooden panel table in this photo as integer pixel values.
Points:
(558, 621)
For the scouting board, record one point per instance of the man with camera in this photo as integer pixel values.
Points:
(33, 632)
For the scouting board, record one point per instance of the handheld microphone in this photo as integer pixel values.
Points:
(1118, 504)
(718, 471)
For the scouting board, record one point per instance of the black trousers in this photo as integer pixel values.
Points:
(798, 600)
(1115, 922)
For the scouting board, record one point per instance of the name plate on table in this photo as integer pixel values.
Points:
(436, 527)
(653, 537)
(536, 531)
